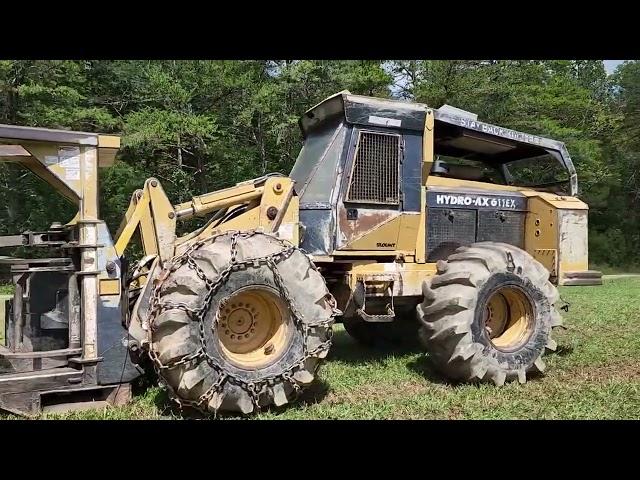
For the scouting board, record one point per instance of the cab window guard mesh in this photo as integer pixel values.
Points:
(375, 175)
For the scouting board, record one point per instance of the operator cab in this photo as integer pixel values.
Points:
(464, 147)
(361, 165)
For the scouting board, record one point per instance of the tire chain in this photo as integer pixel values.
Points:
(253, 389)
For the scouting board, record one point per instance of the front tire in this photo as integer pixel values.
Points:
(488, 314)
(240, 322)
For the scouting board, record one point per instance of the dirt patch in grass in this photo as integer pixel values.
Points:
(614, 371)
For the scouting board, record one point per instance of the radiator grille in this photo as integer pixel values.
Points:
(505, 227)
(447, 230)
(375, 170)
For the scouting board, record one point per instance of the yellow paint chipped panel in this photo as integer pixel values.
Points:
(274, 198)
(108, 141)
(109, 286)
(541, 230)
(383, 236)
(59, 167)
(549, 258)
(407, 278)
(557, 201)
(421, 244)
(578, 266)
(257, 217)
(573, 241)
(289, 228)
(409, 228)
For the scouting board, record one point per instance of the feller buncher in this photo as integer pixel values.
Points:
(392, 210)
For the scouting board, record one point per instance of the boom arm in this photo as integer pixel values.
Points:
(151, 211)
(267, 202)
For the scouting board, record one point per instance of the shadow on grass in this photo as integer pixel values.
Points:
(346, 349)
(423, 366)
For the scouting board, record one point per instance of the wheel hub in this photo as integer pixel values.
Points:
(508, 318)
(496, 315)
(253, 327)
(239, 321)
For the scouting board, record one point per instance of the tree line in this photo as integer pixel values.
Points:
(203, 125)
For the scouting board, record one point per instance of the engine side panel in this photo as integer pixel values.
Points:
(459, 217)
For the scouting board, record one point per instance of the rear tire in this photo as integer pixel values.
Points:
(488, 314)
(229, 335)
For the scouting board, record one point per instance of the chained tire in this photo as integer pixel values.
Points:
(239, 322)
(488, 314)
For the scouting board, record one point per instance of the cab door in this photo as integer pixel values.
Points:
(381, 185)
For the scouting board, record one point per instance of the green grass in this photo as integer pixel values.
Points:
(595, 374)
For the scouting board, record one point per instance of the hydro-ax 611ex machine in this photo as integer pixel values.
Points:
(393, 210)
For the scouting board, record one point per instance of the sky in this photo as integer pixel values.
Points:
(610, 65)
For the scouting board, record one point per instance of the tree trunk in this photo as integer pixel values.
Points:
(16, 77)
(179, 153)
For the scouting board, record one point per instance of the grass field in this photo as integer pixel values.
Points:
(595, 374)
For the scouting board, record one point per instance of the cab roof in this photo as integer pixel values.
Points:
(458, 133)
(379, 112)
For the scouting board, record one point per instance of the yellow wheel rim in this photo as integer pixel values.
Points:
(254, 327)
(508, 318)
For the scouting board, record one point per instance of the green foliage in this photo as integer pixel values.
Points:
(204, 125)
